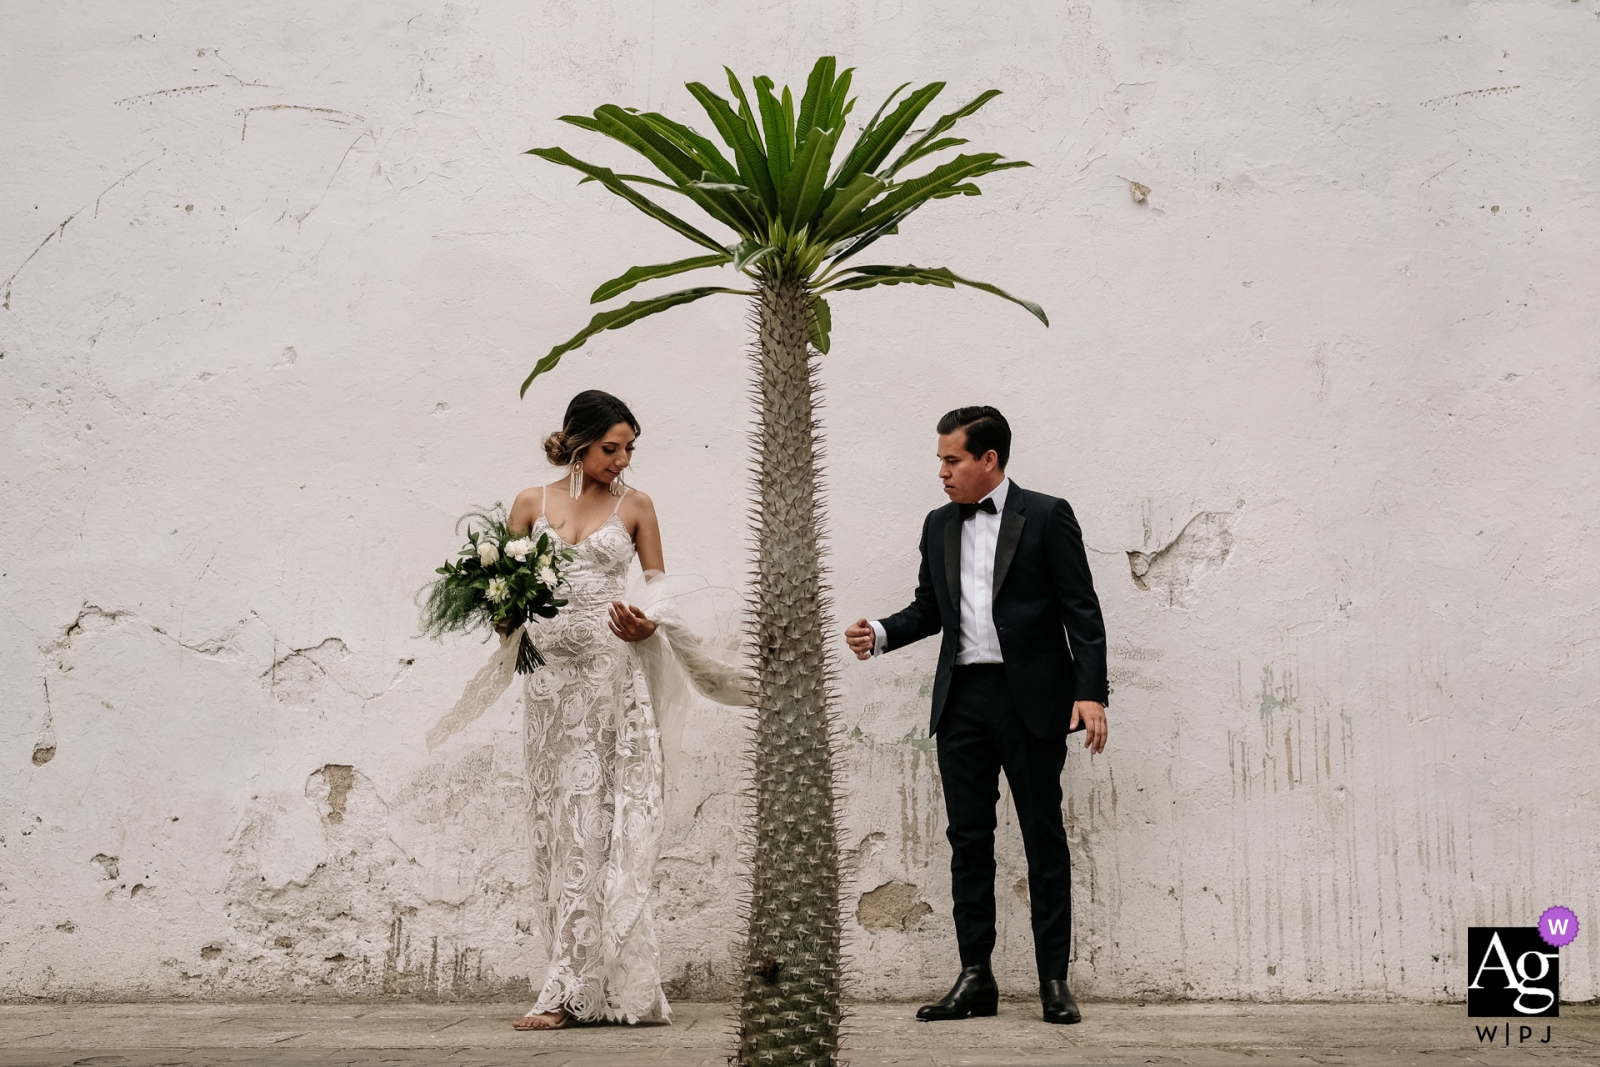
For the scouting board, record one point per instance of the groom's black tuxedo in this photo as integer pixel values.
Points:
(1043, 595)
(1009, 711)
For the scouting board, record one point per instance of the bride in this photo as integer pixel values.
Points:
(593, 724)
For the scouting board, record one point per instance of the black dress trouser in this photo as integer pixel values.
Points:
(979, 734)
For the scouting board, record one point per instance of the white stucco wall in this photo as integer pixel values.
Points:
(273, 271)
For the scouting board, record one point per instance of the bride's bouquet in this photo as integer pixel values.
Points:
(497, 578)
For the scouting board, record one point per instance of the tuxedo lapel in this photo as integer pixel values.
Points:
(952, 560)
(1011, 523)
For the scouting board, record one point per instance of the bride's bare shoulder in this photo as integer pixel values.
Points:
(525, 509)
(639, 502)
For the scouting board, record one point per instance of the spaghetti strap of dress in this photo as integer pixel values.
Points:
(625, 491)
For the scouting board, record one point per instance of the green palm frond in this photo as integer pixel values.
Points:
(930, 142)
(792, 207)
(867, 277)
(610, 180)
(634, 275)
(620, 317)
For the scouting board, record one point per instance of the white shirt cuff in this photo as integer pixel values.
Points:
(879, 637)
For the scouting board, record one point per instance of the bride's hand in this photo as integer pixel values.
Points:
(629, 623)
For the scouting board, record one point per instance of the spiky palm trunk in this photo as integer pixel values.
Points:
(789, 1008)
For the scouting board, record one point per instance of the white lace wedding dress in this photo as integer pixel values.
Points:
(593, 745)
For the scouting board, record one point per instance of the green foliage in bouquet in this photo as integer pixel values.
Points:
(497, 577)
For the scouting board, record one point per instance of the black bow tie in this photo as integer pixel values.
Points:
(969, 510)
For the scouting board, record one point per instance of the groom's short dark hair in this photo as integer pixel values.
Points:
(986, 428)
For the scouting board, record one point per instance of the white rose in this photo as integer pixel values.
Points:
(519, 549)
(546, 560)
(547, 575)
(488, 552)
(499, 589)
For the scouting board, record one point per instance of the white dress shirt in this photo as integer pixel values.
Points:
(980, 537)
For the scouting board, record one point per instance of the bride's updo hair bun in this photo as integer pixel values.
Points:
(555, 446)
(590, 416)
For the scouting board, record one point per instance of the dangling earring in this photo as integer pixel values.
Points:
(617, 486)
(577, 478)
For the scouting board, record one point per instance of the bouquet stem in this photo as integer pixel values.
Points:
(528, 657)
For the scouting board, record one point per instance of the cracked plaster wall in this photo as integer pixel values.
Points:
(1322, 357)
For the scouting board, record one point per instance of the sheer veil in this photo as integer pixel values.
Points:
(695, 646)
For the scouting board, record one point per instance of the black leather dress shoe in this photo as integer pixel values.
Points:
(1059, 1007)
(975, 993)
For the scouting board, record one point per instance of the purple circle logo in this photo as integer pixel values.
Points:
(1558, 926)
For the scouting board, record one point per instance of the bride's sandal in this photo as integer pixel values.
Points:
(550, 1020)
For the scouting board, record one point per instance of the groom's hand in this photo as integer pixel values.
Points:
(859, 636)
(1092, 714)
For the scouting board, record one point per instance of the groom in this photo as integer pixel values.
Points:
(1022, 663)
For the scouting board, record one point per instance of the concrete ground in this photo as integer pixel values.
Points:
(479, 1035)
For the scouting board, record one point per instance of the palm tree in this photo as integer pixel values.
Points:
(798, 219)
